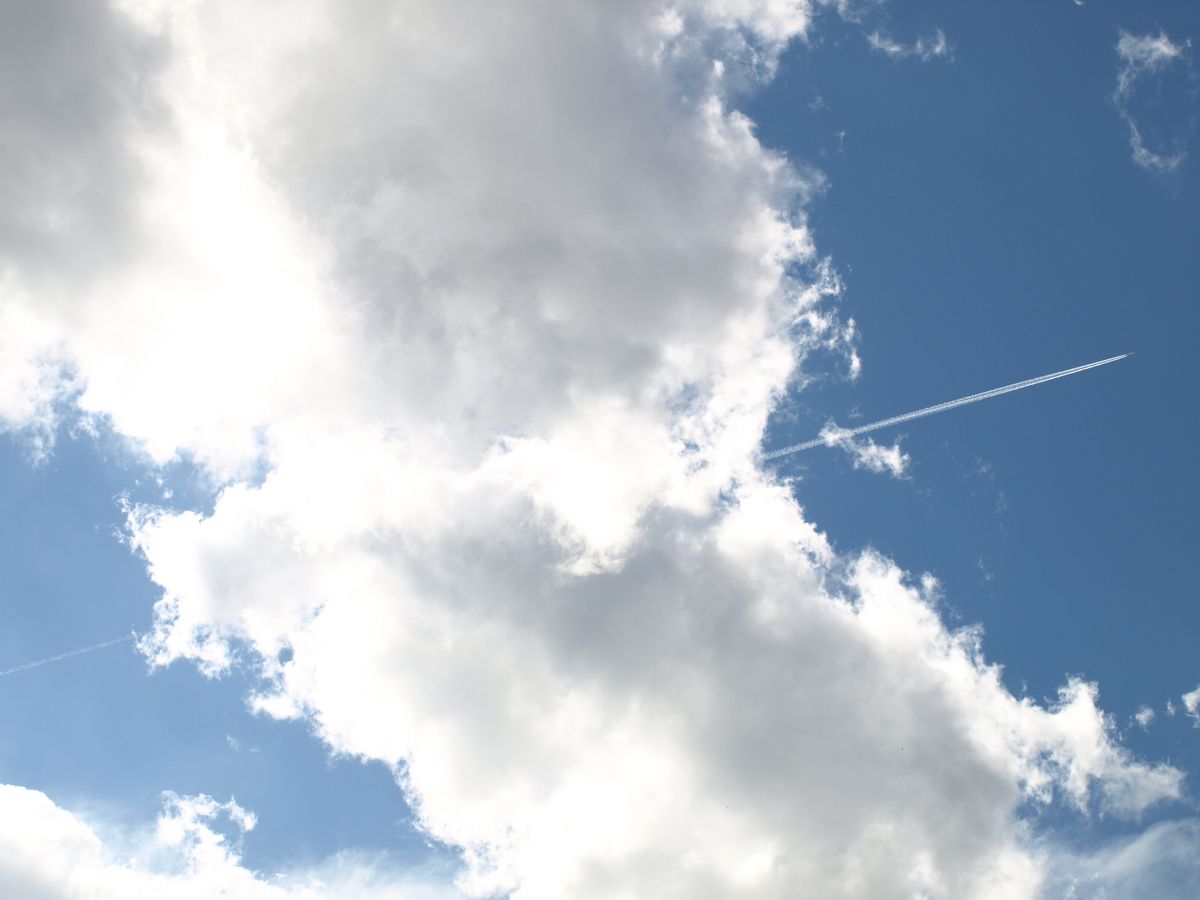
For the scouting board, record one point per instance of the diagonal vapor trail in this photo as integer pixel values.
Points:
(937, 408)
(67, 655)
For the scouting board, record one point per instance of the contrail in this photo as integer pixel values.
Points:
(67, 655)
(937, 408)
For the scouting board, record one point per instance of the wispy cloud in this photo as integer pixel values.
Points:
(925, 48)
(1159, 862)
(1144, 60)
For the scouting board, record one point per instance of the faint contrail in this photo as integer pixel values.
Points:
(67, 655)
(936, 408)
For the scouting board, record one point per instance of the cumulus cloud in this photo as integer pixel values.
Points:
(1156, 88)
(932, 46)
(493, 301)
(48, 853)
(744, 739)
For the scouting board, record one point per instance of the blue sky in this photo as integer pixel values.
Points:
(969, 174)
(118, 734)
(989, 225)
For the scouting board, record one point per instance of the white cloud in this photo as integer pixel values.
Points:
(1144, 61)
(33, 376)
(1159, 862)
(1191, 703)
(48, 853)
(502, 295)
(866, 454)
(707, 704)
(1146, 53)
(1144, 716)
(925, 48)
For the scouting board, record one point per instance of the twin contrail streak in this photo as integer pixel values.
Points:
(937, 408)
(67, 655)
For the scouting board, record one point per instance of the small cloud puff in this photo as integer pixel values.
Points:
(866, 454)
(1191, 703)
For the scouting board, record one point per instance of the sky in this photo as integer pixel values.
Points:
(391, 383)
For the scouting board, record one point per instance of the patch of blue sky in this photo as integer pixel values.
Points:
(102, 735)
(989, 225)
